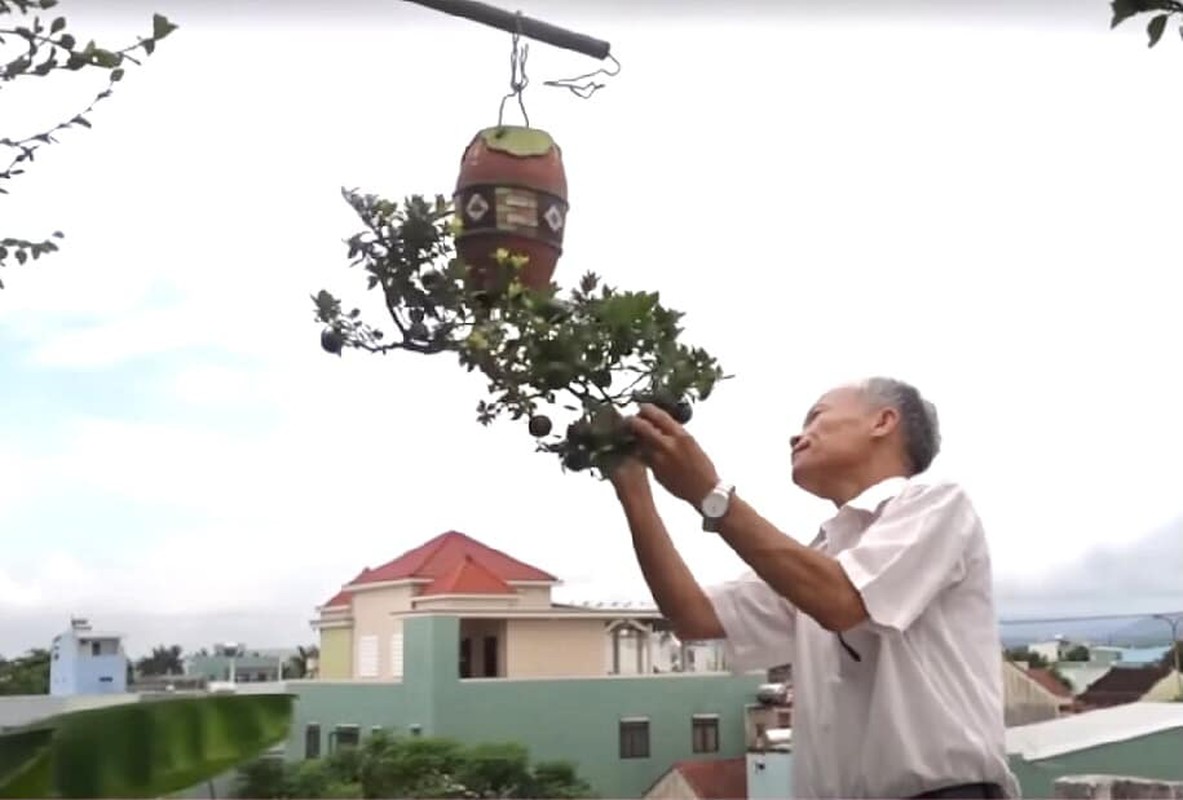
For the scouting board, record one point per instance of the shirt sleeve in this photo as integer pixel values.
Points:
(759, 625)
(912, 553)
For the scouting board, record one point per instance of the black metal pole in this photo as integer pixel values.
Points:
(527, 26)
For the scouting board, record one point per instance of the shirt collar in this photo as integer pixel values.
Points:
(876, 495)
(869, 501)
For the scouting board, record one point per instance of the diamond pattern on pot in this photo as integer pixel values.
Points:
(476, 208)
(554, 218)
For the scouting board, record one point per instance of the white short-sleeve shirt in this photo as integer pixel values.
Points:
(921, 707)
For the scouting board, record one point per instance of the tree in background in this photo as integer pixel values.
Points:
(298, 665)
(413, 767)
(162, 661)
(35, 46)
(1077, 653)
(27, 674)
(1028, 657)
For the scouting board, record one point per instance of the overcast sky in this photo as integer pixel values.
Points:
(982, 201)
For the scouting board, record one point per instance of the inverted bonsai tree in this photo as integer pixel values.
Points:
(563, 363)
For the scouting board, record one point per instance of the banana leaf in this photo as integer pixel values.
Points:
(147, 748)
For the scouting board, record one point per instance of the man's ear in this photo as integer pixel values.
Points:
(887, 419)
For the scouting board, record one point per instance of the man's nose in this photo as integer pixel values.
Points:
(793, 441)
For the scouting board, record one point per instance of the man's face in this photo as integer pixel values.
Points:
(837, 434)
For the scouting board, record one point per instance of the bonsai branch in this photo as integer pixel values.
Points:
(591, 353)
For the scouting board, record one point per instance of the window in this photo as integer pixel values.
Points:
(346, 736)
(466, 658)
(634, 738)
(491, 657)
(312, 740)
(96, 648)
(367, 657)
(396, 655)
(784, 719)
(704, 733)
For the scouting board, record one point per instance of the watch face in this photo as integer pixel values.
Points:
(715, 504)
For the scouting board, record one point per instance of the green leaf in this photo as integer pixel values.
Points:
(145, 749)
(1123, 10)
(57, 24)
(161, 26)
(1155, 28)
(24, 762)
(117, 74)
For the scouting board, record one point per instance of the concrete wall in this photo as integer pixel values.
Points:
(575, 719)
(336, 653)
(375, 628)
(555, 648)
(1025, 700)
(1115, 787)
(1156, 756)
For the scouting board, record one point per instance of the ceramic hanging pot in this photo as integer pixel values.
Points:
(511, 194)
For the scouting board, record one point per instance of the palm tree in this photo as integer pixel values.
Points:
(298, 665)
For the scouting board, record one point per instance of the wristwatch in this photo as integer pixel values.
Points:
(716, 505)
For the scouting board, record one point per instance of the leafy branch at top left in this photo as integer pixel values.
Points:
(35, 44)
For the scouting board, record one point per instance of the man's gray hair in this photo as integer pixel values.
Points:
(918, 418)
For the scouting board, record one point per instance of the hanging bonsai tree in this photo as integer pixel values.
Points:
(564, 364)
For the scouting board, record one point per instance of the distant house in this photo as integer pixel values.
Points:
(1032, 694)
(1081, 674)
(84, 661)
(706, 779)
(1142, 739)
(1122, 685)
(510, 625)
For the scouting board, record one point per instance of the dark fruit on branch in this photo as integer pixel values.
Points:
(577, 460)
(540, 425)
(332, 341)
(680, 410)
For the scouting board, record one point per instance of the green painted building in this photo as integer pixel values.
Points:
(623, 732)
(1140, 739)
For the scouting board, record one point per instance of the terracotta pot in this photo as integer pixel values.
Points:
(511, 194)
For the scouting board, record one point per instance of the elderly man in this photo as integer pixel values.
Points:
(887, 617)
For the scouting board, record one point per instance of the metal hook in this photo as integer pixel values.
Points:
(518, 80)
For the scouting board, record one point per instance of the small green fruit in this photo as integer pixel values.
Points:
(682, 412)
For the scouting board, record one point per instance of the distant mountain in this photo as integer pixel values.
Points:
(1125, 631)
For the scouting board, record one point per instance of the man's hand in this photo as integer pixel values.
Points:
(677, 461)
(630, 478)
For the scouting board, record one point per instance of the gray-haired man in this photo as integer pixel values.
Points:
(887, 617)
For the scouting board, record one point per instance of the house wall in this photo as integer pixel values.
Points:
(555, 648)
(336, 653)
(1165, 690)
(1025, 700)
(671, 786)
(533, 597)
(1155, 756)
(75, 669)
(375, 628)
(576, 719)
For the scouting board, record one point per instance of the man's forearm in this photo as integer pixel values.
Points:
(674, 588)
(812, 581)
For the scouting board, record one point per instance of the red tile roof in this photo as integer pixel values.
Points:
(1047, 680)
(447, 552)
(1123, 685)
(339, 600)
(716, 779)
(468, 577)
(344, 597)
